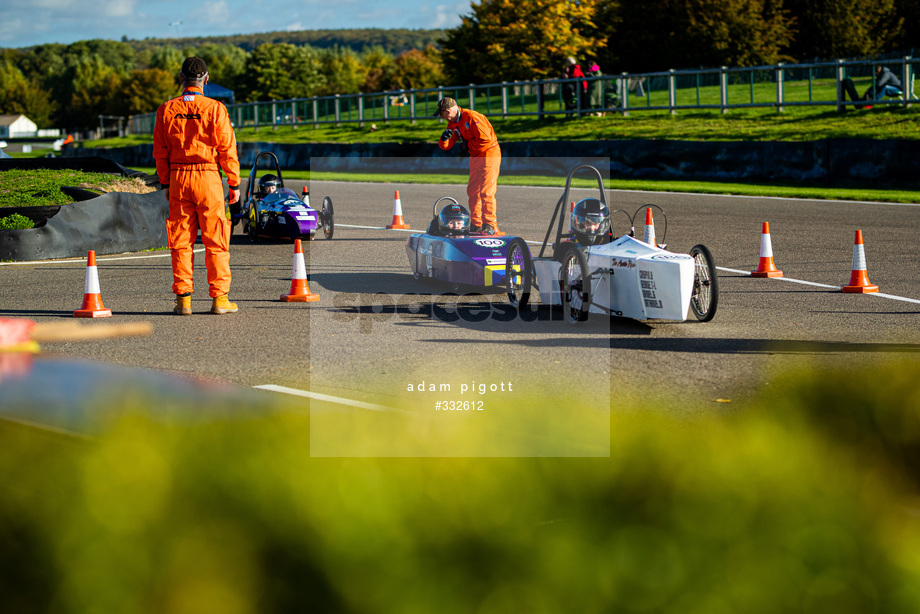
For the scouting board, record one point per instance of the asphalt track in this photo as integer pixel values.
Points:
(376, 330)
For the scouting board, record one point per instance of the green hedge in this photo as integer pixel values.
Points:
(805, 503)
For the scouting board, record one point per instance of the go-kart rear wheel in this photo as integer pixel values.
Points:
(253, 225)
(518, 273)
(575, 283)
(705, 297)
(328, 217)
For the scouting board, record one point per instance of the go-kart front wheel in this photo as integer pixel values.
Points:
(328, 217)
(518, 273)
(575, 283)
(705, 297)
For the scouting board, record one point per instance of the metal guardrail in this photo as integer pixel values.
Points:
(777, 86)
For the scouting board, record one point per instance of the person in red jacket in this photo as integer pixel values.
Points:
(192, 141)
(477, 136)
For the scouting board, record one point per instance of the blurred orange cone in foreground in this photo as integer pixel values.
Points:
(300, 289)
(649, 236)
(92, 301)
(766, 267)
(397, 214)
(859, 280)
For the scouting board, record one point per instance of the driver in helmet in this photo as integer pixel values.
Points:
(591, 222)
(268, 184)
(454, 220)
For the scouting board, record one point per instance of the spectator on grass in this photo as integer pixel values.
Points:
(886, 84)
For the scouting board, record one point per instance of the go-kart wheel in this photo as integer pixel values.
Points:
(253, 225)
(705, 297)
(233, 214)
(518, 273)
(576, 286)
(328, 217)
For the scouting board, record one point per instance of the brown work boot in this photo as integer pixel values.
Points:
(223, 305)
(183, 304)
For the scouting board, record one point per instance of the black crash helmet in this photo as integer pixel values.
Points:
(454, 220)
(590, 219)
(267, 181)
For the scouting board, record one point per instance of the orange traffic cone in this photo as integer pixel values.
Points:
(766, 267)
(397, 214)
(859, 280)
(92, 302)
(300, 289)
(649, 236)
(305, 197)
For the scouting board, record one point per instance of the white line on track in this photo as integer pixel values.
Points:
(418, 231)
(376, 228)
(329, 399)
(701, 194)
(811, 283)
(795, 281)
(82, 260)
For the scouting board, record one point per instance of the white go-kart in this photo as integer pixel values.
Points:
(621, 276)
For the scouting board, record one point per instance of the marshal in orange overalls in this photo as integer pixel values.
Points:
(192, 141)
(485, 162)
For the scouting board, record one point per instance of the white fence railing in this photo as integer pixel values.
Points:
(778, 86)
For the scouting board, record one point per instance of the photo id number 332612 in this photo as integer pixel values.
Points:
(458, 405)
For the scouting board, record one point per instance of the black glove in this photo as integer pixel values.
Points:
(445, 136)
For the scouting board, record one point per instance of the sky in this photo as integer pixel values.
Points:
(24, 23)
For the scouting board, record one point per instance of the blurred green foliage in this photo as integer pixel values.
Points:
(16, 222)
(38, 188)
(804, 503)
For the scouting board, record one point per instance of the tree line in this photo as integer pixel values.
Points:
(501, 40)
(69, 86)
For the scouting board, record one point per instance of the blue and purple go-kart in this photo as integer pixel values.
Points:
(467, 260)
(281, 214)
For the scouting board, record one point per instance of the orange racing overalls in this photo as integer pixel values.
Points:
(192, 141)
(485, 160)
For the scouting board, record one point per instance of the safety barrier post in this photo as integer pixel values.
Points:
(579, 88)
(672, 91)
(274, 116)
(539, 87)
(471, 95)
(624, 93)
(412, 106)
(779, 87)
(315, 113)
(361, 110)
(504, 99)
(905, 81)
(838, 73)
(723, 89)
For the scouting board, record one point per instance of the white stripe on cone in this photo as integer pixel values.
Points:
(766, 246)
(859, 257)
(299, 270)
(91, 285)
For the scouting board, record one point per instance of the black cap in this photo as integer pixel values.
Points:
(194, 68)
(444, 104)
